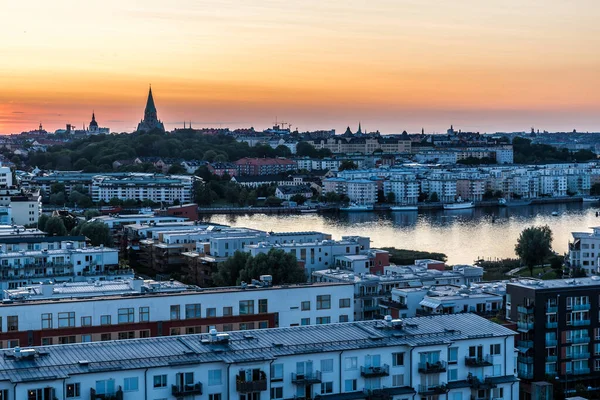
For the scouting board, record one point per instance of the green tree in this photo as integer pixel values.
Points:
(273, 201)
(595, 189)
(42, 220)
(89, 214)
(332, 197)
(115, 201)
(298, 198)
(434, 198)
(534, 246)
(58, 198)
(55, 227)
(252, 198)
(229, 270)
(57, 188)
(390, 198)
(96, 231)
(176, 169)
(347, 165)
(243, 197)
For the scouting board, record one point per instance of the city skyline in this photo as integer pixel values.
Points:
(493, 66)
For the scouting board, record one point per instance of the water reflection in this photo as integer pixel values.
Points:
(464, 235)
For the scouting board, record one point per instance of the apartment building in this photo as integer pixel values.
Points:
(584, 251)
(264, 166)
(432, 357)
(405, 188)
(156, 188)
(60, 313)
(559, 333)
(362, 191)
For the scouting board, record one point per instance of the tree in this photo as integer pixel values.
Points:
(55, 227)
(595, 189)
(434, 198)
(42, 222)
(298, 198)
(57, 188)
(243, 197)
(98, 233)
(390, 198)
(332, 197)
(534, 246)
(176, 169)
(89, 214)
(229, 270)
(273, 201)
(347, 165)
(58, 198)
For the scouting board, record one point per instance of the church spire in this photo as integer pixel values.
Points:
(150, 120)
(359, 129)
(150, 107)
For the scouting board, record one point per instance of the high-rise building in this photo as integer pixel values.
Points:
(150, 121)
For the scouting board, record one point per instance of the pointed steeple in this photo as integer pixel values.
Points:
(359, 131)
(150, 107)
(150, 120)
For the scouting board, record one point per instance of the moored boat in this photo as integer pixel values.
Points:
(357, 208)
(459, 205)
(405, 208)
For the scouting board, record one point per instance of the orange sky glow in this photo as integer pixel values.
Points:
(394, 65)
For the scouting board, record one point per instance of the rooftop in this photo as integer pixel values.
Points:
(556, 283)
(62, 361)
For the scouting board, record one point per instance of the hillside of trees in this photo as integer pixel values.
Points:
(527, 153)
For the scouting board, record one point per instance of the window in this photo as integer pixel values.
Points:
(326, 387)
(323, 320)
(497, 371)
(66, 319)
(193, 311)
(144, 314)
(350, 385)
(47, 341)
(350, 363)
(86, 321)
(344, 303)
(276, 372)
(327, 365)
(214, 396)
(397, 359)
(211, 312)
(305, 306)
(305, 321)
(105, 320)
(246, 307)
(105, 387)
(105, 336)
(452, 374)
(160, 381)
(126, 315)
(67, 339)
(126, 335)
(263, 306)
(277, 393)
(73, 390)
(227, 311)
(494, 349)
(86, 338)
(130, 384)
(324, 302)
(145, 333)
(214, 377)
(227, 327)
(47, 321)
(453, 354)
(343, 318)
(398, 380)
(175, 312)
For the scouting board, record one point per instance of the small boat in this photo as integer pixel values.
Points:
(405, 207)
(462, 205)
(591, 199)
(555, 213)
(308, 210)
(357, 208)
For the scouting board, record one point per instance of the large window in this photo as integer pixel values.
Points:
(130, 384)
(323, 320)
(105, 320)
(47, 321)
(246, 307)
(344, 303)
(324, 302)
(144, 314)
(214, 377)
(105, 387)
(276, 372)
(175, 313)
(305, 306)
(86, 321)
(66, 319)
(160, 381)
(227, 311)
(193, 311)
(73, 390)
(126, 315)
(262, 306)
(397, 359)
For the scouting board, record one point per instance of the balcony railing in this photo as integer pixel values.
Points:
(114, 395)
(551, 358)
(552, 309)
(251, 386)
(186, 390)
(551, 325)
(393, 304)
(432, 368)
(526, 344)
(524, 326)
(477, 383)
(525, 360)
(439, 388)
(579, 356)
(581, 371)
(525, 309)
(372, 372)
(306, 379)
(485, 361)
(580, 322)
(581, 307)
(551, 343)
(577, 340)
(525, 374)
(376, 394)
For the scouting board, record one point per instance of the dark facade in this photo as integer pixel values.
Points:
(559, 334)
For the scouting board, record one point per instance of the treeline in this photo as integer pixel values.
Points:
(96, 231)
(527, 153)
(97, 153)
(408, 257)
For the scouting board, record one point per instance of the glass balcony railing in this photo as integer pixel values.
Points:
(551, 343)
(581, 322)
(577, 340)
(524, 326)
(581, 307)
(551, 309)
(581, 371)
(551, 325)
(526, 344)
(525, 309)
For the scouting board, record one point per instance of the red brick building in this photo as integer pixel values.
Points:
(264, 166)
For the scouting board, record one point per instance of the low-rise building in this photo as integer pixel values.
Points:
(429, 357)
(584, 251)
(286, 192)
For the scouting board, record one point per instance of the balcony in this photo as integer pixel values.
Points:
(525, 374)
(579, 356)
(393, 304)
(485, 361)
(581, 371)
(551, 325)
(251, 386)
(551, 309)
(525, 309)
(580, 322)
(373, 372)
(578, 340)
(524, 326)
(551, 343)
(439, 388)
(525, 360)
(116, 395)
(479, 384)
(376, 394)
(525, 344)
(306, 379)
(432, 368)
(551, 358)
(186, 390)
(581, 307)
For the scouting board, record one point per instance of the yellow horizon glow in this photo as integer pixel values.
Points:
(393, 64)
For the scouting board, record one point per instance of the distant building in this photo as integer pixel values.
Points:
(150, 121)
(584, 251)
(94, 129)
(286, 192)
(265, 166)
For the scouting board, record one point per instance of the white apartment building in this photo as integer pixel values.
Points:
(119, 221)
(165, 189)
(442, 184)
(226, 244)
(448, 356)
(553, 185)
(404, 186)
(362, 191)
(584, 251)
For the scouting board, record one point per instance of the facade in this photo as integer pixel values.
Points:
(77, 312)
(286, 192)
(26, 209)
(362, 191)
(559, 331)
(405, 188)
(150, 121)
(584, 251)
(159, 189)
(432, 357)
(264, 166)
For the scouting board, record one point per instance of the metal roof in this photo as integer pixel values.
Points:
(52, 362)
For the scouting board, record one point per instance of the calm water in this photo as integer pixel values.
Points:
(464, 235)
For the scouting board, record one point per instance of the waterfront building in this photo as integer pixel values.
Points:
(405, 188)
(94, 310)
(150, 121)
(362, 191)
(584, 251)
(559, 331)
(286, 192)
(264, 166)
(159, 189)
(430, 357)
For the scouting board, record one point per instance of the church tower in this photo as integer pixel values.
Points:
(150, 121)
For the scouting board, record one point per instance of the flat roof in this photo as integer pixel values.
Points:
(556, 283)
(62, 361)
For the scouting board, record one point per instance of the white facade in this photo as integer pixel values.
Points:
(5, 176)
(158, 189)
(405, 188)
(362, 191)
(584, 251)
(420, 356)
(26, 210)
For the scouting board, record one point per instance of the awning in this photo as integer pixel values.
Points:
(429, 303)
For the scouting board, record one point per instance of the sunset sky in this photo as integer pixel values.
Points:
(392, 64)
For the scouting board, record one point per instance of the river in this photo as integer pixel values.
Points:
(463, 235)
